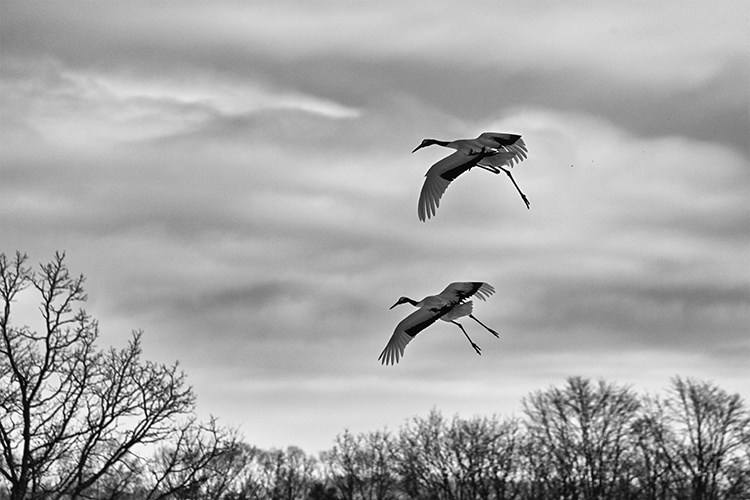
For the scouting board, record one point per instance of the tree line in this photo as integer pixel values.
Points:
(78, 422)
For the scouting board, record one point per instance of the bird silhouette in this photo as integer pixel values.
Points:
(448, 305)
(492, 151)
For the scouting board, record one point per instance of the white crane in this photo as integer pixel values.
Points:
(448, 305)
(492, 151)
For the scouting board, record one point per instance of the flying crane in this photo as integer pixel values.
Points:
(448, 305)
(492, 151)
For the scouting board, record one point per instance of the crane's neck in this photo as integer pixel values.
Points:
(430, 142)
(411, 301)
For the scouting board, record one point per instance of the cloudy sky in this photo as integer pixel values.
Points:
(236, 179)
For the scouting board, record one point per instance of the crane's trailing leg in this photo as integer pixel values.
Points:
(493, 332)
(523, 196)
(497, 170)
(476, 347)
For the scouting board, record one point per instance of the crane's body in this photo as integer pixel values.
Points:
(492, 151)
(448, 305)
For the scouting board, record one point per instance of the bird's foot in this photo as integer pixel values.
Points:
(526, 200)
(493, 332)
(477, 348)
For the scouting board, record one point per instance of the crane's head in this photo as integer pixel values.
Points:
(403, 300)
(425, 143)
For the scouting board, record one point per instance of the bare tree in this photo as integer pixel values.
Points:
(583, 430)
(72, 418)
(423, 462)
(343, 466)
(463, 458)
(702, 434)
(652, 468)
(362, 467)
(278, 475)
(503, 467)
(203, 462)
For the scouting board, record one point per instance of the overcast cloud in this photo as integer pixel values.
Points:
(236, 180)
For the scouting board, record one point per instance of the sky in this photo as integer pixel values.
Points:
(236, 180)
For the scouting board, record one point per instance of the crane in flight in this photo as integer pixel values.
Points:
(448, 305)
(492, 151)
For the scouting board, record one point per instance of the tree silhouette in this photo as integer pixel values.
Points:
(475, 458)
(583, 430)
(362, 467)
(73, 418)
(701, 435)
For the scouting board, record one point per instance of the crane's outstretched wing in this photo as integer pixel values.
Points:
(439, 176)
(509, 142)
(406, 330)
(455, 293)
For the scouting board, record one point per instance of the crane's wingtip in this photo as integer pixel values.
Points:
(386, 358)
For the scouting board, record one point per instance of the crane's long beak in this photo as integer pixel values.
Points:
(394, 305)
(418, 147)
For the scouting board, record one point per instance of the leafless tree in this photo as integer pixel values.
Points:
(362, 467)
(583, 432)
(702, 434)
(73, 419)
(276, 474)
(504, 468)
(474, 458)
(651, 466)
(423, 462)
(203, 462)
